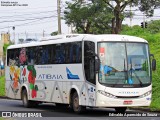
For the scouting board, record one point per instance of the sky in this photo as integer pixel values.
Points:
(35, 17)
(38, 17)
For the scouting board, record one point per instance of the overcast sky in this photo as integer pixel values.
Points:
(39, 16)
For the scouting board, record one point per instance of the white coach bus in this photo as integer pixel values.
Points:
(81, 71)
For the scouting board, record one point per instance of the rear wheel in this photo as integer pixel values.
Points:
(75, 104)
(26, 103)
(120, 109)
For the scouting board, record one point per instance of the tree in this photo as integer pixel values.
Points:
(154, 26)
(118, 6)
(54, 33)
(91, 18)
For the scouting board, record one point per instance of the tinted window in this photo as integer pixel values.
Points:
(89, 61)
(47, 54)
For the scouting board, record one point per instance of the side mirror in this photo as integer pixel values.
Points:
(153, 64)
(97, 60)
(97, 65)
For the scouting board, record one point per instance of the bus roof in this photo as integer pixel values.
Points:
(80, 37)
(117, 38)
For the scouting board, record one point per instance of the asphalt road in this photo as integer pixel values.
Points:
(50, 109)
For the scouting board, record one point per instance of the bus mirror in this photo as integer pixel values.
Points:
(97, 64)
(153, 64)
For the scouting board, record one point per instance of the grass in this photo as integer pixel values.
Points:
(2, 86)
(155, 49)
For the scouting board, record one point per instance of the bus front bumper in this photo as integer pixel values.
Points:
(103, 101)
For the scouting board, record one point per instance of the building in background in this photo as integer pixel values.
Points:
(5, 39)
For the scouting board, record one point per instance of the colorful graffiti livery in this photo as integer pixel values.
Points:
(31, 80)
(22, 56)
(14, 76)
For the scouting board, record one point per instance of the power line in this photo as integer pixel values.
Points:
(27, 19)
(27, 9)
(22, 24)
(28, 14)
(41, 22)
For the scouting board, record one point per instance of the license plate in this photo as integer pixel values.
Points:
(127, 102)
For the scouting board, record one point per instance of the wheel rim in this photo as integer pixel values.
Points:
(76, 103)
(25, 100)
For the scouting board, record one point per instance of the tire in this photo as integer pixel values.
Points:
(75, 104)
(120, 109)
(26, 103)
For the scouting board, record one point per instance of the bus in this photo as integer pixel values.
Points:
(81, 70)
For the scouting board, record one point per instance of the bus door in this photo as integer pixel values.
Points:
(89, 67)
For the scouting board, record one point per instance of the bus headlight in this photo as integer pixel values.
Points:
(106, 94)
(146, 94)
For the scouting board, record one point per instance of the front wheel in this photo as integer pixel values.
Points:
(120, 109)
(75, 104)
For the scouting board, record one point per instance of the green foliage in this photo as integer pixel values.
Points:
(154, 26)
(5, 48)
(54, 33)
(93, 18)
(154, 41)
(155, 49)
(2, 86)
(101, 15)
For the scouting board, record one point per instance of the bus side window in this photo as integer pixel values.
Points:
(8, 56)
(31, 56)
(79, 52)
(60, 57)
(12, 57)
(23, 56)
(75, 52)
(44, 55)
(16, 56)
(53, 54)
(67, 52)
(49, 47)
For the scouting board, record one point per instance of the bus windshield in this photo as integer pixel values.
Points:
(124, 64)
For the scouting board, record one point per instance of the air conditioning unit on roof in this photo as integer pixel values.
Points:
(57, 37)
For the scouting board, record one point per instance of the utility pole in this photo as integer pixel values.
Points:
(26, 34)
(59, 17)
(14, 41)
(130, 15)
(144, 20)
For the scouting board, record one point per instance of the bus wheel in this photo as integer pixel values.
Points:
(75, 104)
(120, 109)
(26, 102)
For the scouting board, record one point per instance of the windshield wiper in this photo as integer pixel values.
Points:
(125, 74)
(141, 84)
(131, 68)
